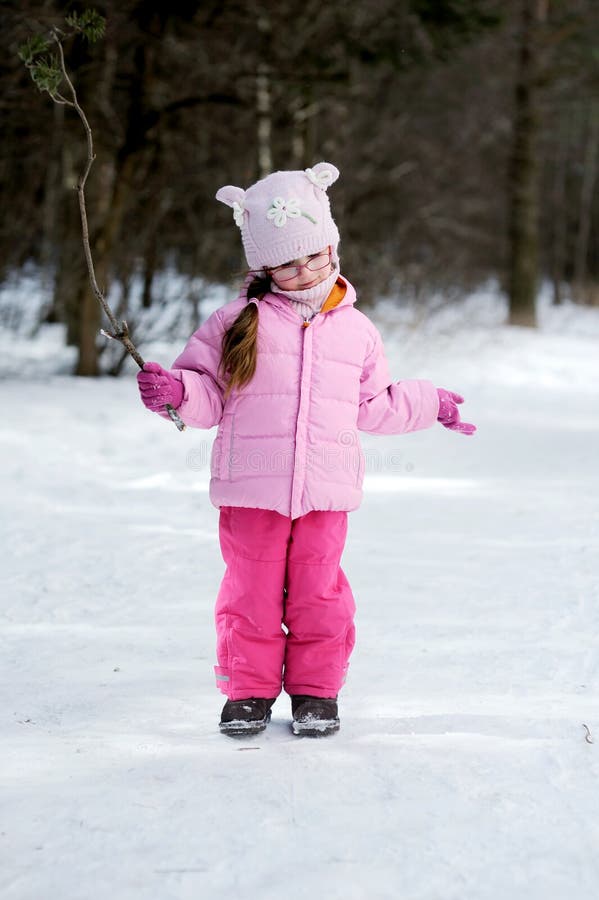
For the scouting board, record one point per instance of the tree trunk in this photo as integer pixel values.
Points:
(589, 178)
(304, 113)
(264, 118)
(150, 261)
(107, 195)
(264, 102)
(559, 207)
(523, 217)
(51, 212)
(89, 324)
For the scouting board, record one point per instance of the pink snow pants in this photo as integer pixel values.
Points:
(284, 611)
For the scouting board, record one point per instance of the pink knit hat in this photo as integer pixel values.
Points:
(285, 215)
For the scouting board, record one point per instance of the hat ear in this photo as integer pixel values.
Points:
(233, 196)
(323, 175)
(230, 194)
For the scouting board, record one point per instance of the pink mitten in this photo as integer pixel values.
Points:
(158, 387)
(449, 414)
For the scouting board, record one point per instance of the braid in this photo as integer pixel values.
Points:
(240, 340)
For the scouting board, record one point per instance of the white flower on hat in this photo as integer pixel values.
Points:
(281, 209)
(238, 211)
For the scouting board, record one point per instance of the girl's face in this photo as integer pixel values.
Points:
(304, 272)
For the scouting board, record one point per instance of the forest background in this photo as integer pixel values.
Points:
(466, 132)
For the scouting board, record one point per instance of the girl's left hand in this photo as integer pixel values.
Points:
(449, 414)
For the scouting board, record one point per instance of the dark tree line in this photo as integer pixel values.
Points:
(466, 132)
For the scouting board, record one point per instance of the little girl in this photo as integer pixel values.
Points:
(290, 371)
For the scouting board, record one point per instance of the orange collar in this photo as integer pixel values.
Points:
(335, 297)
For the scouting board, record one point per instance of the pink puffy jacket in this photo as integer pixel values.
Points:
(288, 440)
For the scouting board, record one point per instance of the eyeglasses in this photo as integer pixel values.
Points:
(316, 262)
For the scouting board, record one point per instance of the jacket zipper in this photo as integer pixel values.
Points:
(305, 324)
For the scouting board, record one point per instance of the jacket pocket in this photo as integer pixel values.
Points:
(219, 449)
(361, 465)
(226, 448)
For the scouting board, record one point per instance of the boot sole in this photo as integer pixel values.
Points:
(243, 728)
(315, 727)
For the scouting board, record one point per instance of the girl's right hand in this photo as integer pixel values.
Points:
(158, 387)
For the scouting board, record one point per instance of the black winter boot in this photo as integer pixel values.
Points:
(241, 717)
(314, 716)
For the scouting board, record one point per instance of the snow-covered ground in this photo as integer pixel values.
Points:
(462, 770)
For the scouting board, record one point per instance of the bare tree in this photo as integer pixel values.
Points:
(524, 169)
(587, 192)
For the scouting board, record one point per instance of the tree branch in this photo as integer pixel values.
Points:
(51, 82)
